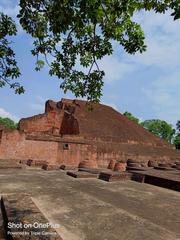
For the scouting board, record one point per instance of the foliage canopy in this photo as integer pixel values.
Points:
(177, 141)
(131, 117)
(8, 123)
(177, 137)
(73, 35)
(160, 128)
(8, 65)
(178, 126)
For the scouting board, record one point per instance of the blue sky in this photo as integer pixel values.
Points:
(147, 85)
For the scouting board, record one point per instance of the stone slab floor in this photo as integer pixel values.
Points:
(91, 209)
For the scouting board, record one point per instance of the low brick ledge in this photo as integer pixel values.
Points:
(55, 139)
(77, 174)
(169, 179)
(115, 176)
(50, 167)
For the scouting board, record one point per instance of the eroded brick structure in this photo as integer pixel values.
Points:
(69, 134)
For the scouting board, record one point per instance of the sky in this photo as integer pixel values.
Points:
(147, 85)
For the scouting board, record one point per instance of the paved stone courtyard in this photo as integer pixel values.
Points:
(91, 209)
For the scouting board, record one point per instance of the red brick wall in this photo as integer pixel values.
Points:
(107, 151)
(14, 146)
(75, 154)
(48, 122)
(69, 125)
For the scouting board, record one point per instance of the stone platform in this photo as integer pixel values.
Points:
(166, 177)
(90, 209)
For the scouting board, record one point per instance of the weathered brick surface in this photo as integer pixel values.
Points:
(49, 122)
(152, 163)
(2, 127)
(69, 124)
(128, 168)
(23, 161)
(68, 134)
(9, 163)
(88, 164)
(15, 146)
(77, 174)
(67, 167)
(50, 167)
(20, 209)
(120, 167)
(111, 164)
(93, 170)
(75, 153)
(114, 176)
(38, 163)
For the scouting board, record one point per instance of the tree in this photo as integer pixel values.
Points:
(8, 65)
(131, 117)
(177, 141)
(177, 137)
(178, 126)
(8, 123)
(160, 128)
(82, 31)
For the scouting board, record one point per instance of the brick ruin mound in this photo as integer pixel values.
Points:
(68, 133)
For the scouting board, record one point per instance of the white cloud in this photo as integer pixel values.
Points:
(163, 48)
(160, 53)
(115, 69)
(157, 23)
(162, 56)
(11, 8)
(162, 40)
(164, 95)
(4, 114)
(157, 96)
(11, 11)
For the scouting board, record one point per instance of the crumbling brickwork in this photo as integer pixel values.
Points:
(68, 133)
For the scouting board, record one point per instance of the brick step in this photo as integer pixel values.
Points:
(50, 167)
(166, 179)
(68, 167)
(164, 168)
(115, 176)
(11, 167)
(138, 168)
(6, 164)
(77, 174)
(93, 170)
